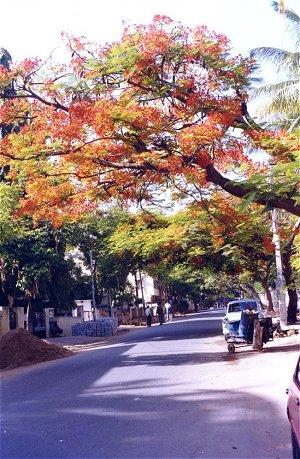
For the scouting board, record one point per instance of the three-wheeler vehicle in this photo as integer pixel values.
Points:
(245, 322)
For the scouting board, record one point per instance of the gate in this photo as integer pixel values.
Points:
(39, 324)
(12, 319)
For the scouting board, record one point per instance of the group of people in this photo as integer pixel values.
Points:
(163, 312)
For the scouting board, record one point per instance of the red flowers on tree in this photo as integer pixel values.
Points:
(158, 108)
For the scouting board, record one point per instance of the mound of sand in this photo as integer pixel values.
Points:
(19, 348)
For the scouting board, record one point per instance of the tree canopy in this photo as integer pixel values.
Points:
(165, 106)
(33, 266)
(200, 243)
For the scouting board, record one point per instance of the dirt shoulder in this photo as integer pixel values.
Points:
(20, 350)
(81, 343)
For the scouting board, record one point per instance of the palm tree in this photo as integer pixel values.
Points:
(282, 105)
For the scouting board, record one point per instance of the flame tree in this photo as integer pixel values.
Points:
(164, 106)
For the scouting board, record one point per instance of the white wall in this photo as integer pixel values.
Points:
(86, 308)
(66, 323)
(148, 286)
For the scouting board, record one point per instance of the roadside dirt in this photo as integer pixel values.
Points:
(84, 343)
(20, 348)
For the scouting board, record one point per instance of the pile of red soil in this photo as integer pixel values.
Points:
(19, 348)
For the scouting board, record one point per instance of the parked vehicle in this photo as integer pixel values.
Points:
(293, 410)
(233, 313)
(239, 322)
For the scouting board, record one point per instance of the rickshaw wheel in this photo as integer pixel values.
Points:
(231, 348)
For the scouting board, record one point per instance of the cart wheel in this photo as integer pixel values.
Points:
(231, 348)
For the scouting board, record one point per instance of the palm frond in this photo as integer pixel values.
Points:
(281, 110)
(276, 56)
(294, 124)
(293, 18)
(292, 64)
(270, 90)
(281, 102)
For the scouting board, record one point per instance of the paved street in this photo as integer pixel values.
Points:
(169, 391)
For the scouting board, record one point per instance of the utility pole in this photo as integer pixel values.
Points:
(142, 288)
(280, 294)
(93, 285)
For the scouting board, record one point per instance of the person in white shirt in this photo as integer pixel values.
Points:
(148, 315)
(168, 310)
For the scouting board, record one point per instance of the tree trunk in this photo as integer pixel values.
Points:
(252, 290)
(268, 295)
(30, 315)
(289, 276)
(136, 285)
(291, 288)
(265, 284)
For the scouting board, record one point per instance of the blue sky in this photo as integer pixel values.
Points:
(32, 27)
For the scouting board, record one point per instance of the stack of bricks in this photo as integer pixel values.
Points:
(106, 326)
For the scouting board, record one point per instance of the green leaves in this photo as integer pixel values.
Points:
(119, 58)
(34, 265)
(9, 196)
(281, 104)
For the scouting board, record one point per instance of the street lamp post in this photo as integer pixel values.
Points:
(93, 285)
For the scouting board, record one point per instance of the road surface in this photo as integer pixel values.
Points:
(169, 391)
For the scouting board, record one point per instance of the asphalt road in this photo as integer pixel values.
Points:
(169, 391)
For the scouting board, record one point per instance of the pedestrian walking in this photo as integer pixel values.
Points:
(160, 313)
(148, 315)
(168, 310)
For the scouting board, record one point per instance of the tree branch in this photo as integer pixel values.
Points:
(237, 189)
